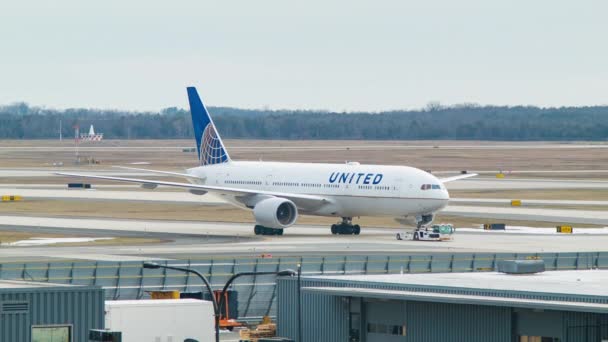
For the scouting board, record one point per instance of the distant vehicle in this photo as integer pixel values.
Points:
(278, 192)
(437, 232)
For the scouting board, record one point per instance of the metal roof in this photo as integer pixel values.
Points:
(21, 284)
(581, 282)
(460, 299)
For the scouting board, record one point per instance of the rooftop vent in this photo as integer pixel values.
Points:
(521, 266)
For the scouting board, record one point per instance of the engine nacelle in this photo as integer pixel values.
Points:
(275, 213)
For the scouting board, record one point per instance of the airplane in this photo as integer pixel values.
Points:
(278, 192)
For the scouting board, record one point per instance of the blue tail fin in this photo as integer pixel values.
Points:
(210, 148)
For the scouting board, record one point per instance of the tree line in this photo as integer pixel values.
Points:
(460, 122)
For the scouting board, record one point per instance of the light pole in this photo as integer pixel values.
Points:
(283, 273)
(299, 303)
(153, 265)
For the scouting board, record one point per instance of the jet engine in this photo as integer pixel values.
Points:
(275, 213)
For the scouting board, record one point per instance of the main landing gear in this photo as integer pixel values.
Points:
(261, 230)
(346, 227)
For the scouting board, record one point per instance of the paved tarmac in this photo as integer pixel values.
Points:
(526, 202)
(596, 217)
(191, 239)
(114, 195)
(50, 172)
(186, 238)
(481, 183)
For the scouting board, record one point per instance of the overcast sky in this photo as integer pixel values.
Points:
(315, 54)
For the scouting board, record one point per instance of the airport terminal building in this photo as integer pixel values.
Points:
(556, 306)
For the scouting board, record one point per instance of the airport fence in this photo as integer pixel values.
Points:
(257, 294)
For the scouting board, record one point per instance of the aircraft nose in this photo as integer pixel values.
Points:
(443, 198)
(445, 195)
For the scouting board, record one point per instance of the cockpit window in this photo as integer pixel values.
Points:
(430, 186)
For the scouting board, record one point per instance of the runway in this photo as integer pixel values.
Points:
(464, 207)
(184, 239)
(187, 239)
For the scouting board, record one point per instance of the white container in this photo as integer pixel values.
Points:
(161, 320)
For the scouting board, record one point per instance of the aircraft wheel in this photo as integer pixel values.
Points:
(357, 229)
(334, 229)
(280, 231)
(257, 230)
(399, 236)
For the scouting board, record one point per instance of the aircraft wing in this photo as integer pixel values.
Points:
(246, 196)
(455, 178)
(185, 175)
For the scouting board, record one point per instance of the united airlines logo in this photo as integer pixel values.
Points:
(211, 149)
(355, 178)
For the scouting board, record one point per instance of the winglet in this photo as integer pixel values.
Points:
(209, 145)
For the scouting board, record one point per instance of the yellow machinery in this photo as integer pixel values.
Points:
(11, 198)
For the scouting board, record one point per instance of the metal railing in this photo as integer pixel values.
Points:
(256, 294)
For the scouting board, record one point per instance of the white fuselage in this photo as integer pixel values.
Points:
(353, 189)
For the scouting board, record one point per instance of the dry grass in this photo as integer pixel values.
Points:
(12, 236)
(167, 154)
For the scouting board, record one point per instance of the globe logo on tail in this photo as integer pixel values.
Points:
(212, 151)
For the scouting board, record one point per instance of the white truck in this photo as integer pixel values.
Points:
(161, 320)
(436, 232)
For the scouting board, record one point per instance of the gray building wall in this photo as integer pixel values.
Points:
(326, 317)
(82, 307)
(257, 296)
(428, 322)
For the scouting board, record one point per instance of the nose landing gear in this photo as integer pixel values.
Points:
(346, 227)
(424, 220)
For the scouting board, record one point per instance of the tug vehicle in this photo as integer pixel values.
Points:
(436, 232)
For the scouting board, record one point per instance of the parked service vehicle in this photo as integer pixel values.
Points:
(161, 320)
(436, 232)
